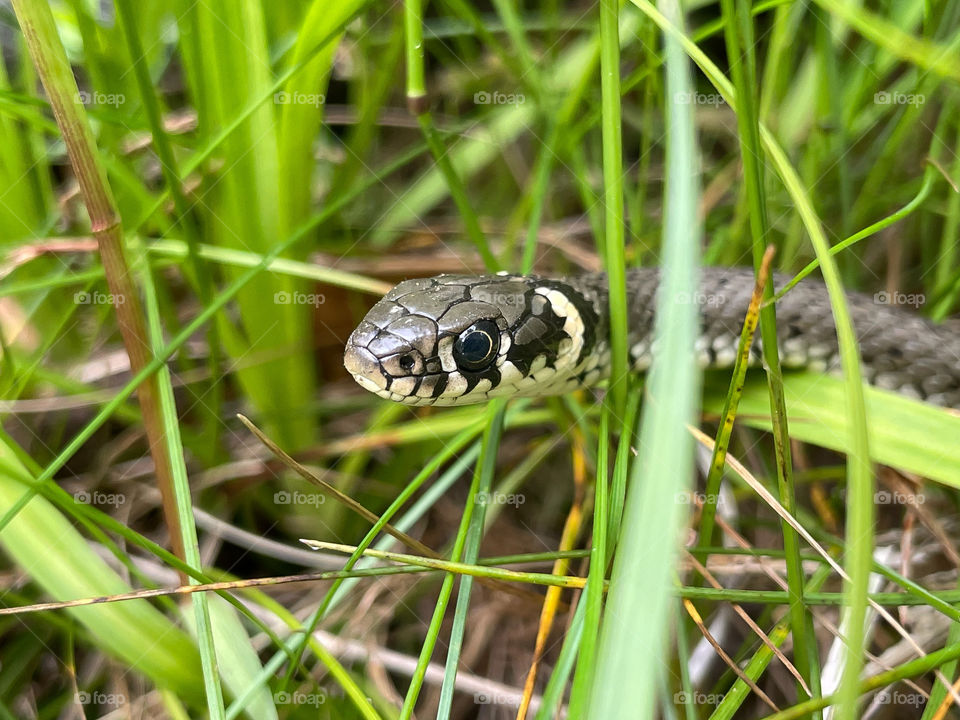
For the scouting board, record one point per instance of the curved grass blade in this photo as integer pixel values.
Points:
(905, 433)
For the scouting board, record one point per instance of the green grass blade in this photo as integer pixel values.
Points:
(637, 613)
(45, 544)
(481, 483)
(184, 506)
(593, 595)
(613, 200)
(485, 468)
(300, 105)
(739, 35)
(905, 433)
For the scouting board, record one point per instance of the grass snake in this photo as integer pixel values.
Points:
(461, 339)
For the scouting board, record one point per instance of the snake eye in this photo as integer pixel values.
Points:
(477, 346)
(407, 362)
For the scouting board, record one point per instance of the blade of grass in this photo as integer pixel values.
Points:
(613, 199)
(637, 613)
(483, 472)
(929, 176)
(909, 669)
(618, 488)
(739, 36)
(860, 507)
(184, 507)
(515, 27)
(457, 567)
(66, 567)
(211, 391)
(592, 598)
(243, 209)
(730, 407)
(568, 537)
(481, 483)
(284, 266)
(553, 693)
(419, 105)
(302, 102)
(906, 434)
(49, 57)
(539, 193)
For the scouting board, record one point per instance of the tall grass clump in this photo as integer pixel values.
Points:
(201, 515)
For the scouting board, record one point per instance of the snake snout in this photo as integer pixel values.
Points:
(365, 367)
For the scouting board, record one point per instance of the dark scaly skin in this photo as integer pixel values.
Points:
(901, 350)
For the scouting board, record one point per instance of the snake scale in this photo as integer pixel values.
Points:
(460, 339)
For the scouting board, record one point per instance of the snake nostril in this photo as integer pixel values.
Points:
(407, 362)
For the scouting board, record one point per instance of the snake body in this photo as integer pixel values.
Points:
(460, 339)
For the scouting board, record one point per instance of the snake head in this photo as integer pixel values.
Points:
(455, 340)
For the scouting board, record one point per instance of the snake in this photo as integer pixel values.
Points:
(462, 339)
